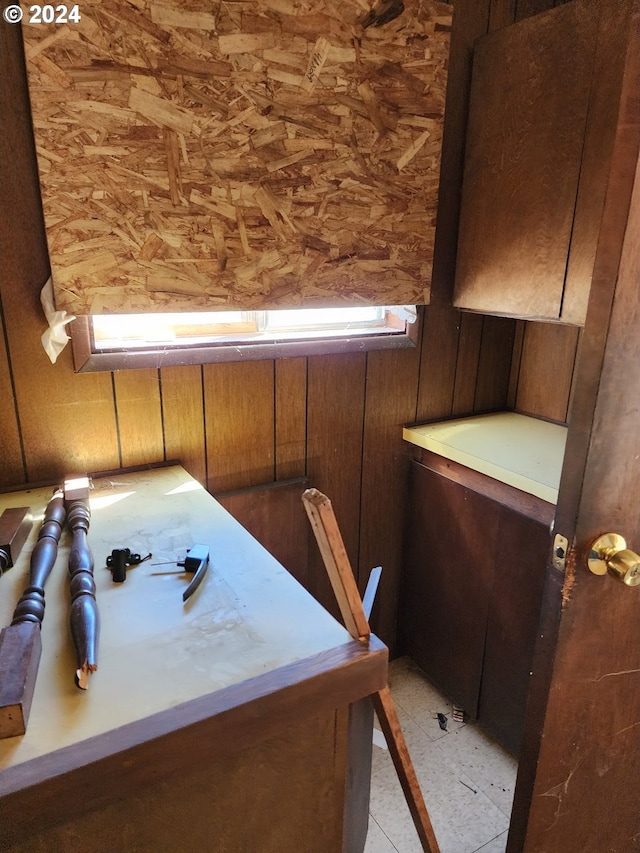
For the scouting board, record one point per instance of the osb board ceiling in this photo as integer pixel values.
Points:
(240, 154)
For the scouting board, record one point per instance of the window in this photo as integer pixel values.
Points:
(111, 342)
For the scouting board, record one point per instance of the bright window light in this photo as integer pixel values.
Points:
(119, 332)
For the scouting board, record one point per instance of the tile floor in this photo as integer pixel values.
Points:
(467, 779)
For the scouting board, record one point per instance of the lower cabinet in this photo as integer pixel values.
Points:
(473, 573)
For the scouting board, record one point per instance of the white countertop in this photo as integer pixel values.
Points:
(516, 449)
(248, 616)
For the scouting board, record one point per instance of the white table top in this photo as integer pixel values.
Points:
(248, 616)
(516, 449)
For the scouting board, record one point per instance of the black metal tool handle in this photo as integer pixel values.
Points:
(197, 561)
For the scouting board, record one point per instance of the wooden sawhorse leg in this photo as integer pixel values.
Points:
(334, 555)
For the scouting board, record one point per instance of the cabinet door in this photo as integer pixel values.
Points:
(528, 112)
(448, 573)
(512, 625)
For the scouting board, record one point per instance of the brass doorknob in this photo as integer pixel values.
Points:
(609, 553)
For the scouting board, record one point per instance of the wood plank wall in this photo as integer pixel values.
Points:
(334, 419)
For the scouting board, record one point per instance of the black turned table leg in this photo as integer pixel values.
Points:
(20, 643)
(84, 617)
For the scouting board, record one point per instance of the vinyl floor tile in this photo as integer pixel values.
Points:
(492, 769)
(496, 845)
(377, 841)
(467, 780)
(420, 699)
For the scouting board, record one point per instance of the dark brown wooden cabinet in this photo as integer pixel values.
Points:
(543, 107)
(471, 589)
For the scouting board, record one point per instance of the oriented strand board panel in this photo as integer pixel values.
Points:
(252, 154)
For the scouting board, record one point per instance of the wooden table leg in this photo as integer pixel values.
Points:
(20, 643)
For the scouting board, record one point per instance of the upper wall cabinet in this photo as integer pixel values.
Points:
(542, 120)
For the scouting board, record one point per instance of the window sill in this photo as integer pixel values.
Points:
(87, 361)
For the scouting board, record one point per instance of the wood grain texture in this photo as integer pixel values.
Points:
(385, 709)
(470, 22)
(11, 463)
(582, 758)
(464, 390)
(239, 424)
(499, 492)
(390, 402)
(503, 13)
(335, 416)
(494, 364)
(529, 8)
(450, 543)
(291, 417)
(512, 626)
(62, 420)
(183, 418)
(20, 652)
(273, 514)
(546, 370)
(358, 787)
(334, 556)
(137, 394)
(15, 525)
(476, 551)
(516, 358)
(440, 339)
(278, 797)
(515, 233)
(596, 159)
(89, 776)
(258, 157)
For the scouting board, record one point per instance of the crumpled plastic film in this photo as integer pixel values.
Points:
(55, 338)
(408, 313)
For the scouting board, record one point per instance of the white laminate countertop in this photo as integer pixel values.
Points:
(516, 449)
(248, 617)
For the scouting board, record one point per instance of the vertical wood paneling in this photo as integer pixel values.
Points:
(275, 516)
(240, 424)
(464, 390)
(390, 402)
(516, 358)
(546, 370)
(66, 421)
(183, 418)
(494, 367)
(470, 20)
(11, 465)
(139, 416)
(503, 13)
(291, 417)
(527, 8)
(335, 412)
(438, 362)
(66, 424)
(533, 397)
(596, 160)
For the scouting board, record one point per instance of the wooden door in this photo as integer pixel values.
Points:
(542, 119)
(578, 788)
(525, 140)
(451, 539)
